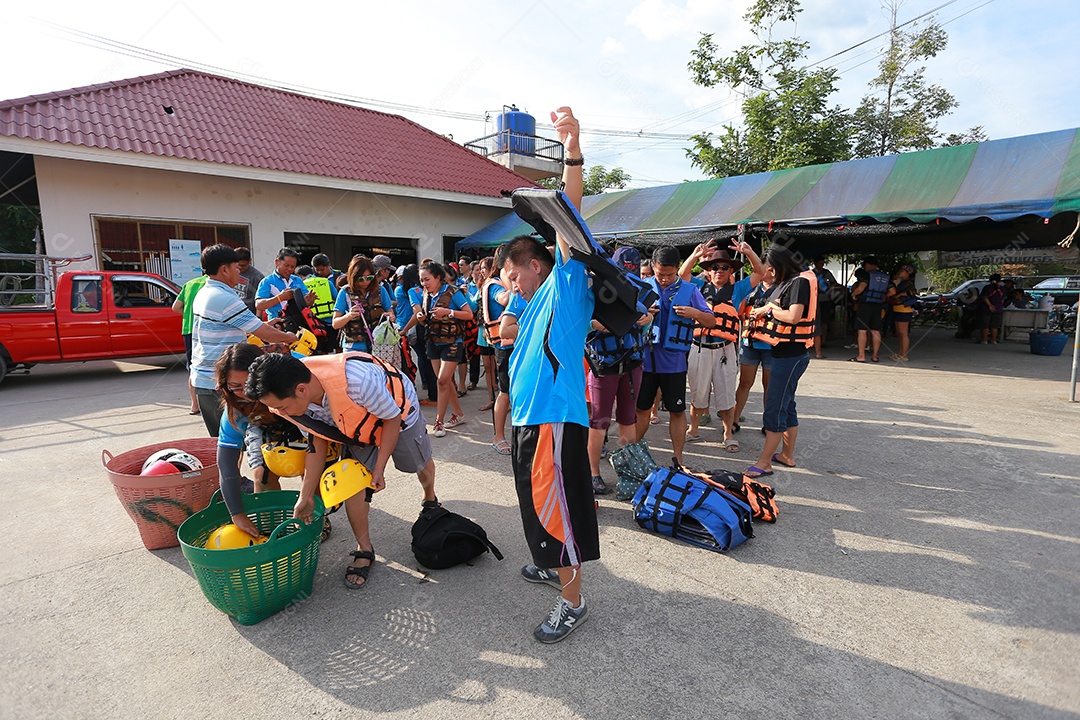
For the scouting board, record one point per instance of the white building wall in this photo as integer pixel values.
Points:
(72, 191)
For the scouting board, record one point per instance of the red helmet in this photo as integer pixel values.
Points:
(160, 467)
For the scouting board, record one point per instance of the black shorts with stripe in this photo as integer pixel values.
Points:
(554, 487)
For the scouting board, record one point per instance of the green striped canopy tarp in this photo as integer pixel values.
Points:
(998, 179)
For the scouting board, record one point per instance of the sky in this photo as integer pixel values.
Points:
(621, 66)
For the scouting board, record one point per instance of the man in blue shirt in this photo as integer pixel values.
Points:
(277, 288)
(549, 446)
(681, 305)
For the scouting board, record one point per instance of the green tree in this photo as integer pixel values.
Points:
(598, 179)
(973, 135)
(902, 110)
(787, 120)
(17, 226)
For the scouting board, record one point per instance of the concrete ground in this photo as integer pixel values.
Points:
(926, 563)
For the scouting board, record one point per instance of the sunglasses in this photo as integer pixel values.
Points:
(365, 278)
(718, 267)
(236, 389)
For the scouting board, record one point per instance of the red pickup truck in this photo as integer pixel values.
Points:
(88, 315)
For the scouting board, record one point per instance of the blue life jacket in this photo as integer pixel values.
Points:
(610, 354)
(875, 289)
(673, 503)
(670, 331)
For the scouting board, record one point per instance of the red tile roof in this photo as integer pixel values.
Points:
(198, 116)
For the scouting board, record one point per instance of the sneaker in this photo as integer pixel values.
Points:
(455, 420)
(598, 486)
(561, 621)
(533, 574)
(438, 430)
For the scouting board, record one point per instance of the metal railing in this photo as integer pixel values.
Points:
(517, 143)
(34, 287)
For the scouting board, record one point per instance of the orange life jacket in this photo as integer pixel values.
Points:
(727, 322)
(442, 330)
(356, 423)
(491, 325)
(772, 331)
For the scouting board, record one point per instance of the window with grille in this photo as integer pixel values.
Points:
(143, 244)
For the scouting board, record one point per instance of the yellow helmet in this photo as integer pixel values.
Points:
(285, 459)
(333, 452)
(305, 342)
(257, 342)
(342, 480)
(230, 537)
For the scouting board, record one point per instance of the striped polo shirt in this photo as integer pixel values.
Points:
(221, 319)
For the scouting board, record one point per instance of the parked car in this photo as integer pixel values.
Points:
(90, 315)
(1064, 290)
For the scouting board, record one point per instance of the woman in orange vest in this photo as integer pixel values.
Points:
(785, 321)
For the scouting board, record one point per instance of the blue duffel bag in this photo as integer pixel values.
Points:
(678, 505)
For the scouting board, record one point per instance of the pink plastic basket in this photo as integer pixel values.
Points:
(160, 503)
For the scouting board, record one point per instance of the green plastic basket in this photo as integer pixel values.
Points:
(252, 583)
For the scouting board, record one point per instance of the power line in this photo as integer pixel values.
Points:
(114, 46)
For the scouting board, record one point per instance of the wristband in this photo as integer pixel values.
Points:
(574, 162)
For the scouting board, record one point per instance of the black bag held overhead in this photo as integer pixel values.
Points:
(621, 297)
(443, 539)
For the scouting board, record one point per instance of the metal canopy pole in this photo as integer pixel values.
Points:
(1076, 361)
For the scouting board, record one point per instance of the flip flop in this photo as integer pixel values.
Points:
(193, 412)
(692, 438)
(502, 447)
(735, 427)
(758, 472)
(857, 360)
(874, 359)
(776, 459)
(485, 408)
(654, 421)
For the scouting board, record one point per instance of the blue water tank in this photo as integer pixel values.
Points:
(520, 127)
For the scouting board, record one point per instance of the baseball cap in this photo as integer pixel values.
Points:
(628, 258)
(381, 262)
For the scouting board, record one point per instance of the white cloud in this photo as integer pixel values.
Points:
(611, 47)
(659, 20)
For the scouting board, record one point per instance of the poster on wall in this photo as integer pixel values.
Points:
(185, 259)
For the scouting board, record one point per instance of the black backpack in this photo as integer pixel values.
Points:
(442, 539)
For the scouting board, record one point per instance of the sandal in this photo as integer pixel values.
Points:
(654, 420)
(325, 530)
(692, 438)
(757, 472)
(735, 427)
(732, 446)
(502, 447)
(488, 406)
(359, 571)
